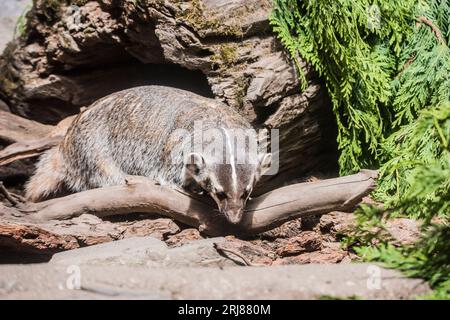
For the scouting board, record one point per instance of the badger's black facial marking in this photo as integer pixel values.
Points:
(221, 195)
(231, 194)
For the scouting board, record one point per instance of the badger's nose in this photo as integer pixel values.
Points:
(234, 216)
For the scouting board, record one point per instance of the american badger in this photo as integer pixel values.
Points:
(153, 131)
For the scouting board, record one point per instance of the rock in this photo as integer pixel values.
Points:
(404, 231)
(145, 251)
(47, 238)
(4, 106)
(287, 230)
(131, 251)
(324, 256)
(185, 236)
(200, 253)
(271, 74)
(222, 49)
(31, 239)
(245, 252)
(310, 223)
(159, 228)
(336, 222)
(55, 281)
(307, 241)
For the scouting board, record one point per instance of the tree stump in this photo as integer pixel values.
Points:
(73, 52)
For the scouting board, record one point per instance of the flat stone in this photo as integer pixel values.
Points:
(183, 237)
(324, 256)
(403, 230)
(307, 241)
(146, 251)
(336, 221)
(131, 251)
(197, 253)
(49, 281)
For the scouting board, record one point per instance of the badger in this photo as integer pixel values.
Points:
(153, 131)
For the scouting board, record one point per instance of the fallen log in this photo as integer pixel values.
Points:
(35, 139)
(17, 129)
(263, 213)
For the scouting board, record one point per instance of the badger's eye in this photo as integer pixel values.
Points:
(221, 195)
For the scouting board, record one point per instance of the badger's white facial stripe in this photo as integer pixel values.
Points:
(232, 162)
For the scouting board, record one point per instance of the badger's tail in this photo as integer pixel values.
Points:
(48, 180)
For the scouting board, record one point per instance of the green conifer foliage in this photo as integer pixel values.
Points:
(386, 65)
(355, 54)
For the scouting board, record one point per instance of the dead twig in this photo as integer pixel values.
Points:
(7, 195)
(247, 262)
(32, 145)
(434, 28)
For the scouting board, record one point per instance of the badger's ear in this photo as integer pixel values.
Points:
(194, 163)
(265, 161)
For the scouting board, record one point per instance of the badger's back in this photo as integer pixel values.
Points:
(128, 133)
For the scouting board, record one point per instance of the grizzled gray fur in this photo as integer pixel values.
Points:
(136, 132)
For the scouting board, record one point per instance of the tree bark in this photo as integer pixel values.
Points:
(33, 141)
(17, 129)
(71, 55)
(19, 234)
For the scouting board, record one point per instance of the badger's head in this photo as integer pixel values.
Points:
(229, 184)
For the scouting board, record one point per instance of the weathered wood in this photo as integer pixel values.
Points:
(14, 128)
(34, 141)
(20, 150)
(219, 48)
(19, 234)
(263, 213)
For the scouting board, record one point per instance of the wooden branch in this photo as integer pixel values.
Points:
(23, 150)
(270, 210)
(36, 140)
(434, 28)
(7, 195)
(17, 129)
(299, 200)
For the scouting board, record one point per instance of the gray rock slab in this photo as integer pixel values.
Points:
(49, 281)
(146, 251)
